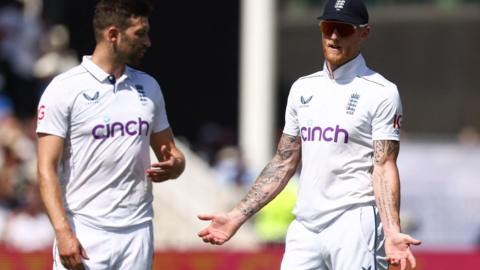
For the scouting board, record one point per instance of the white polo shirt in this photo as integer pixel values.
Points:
(337, 119)
(106, 125)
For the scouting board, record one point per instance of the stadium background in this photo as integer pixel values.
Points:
(429, 48)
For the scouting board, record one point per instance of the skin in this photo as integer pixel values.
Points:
(269, 183)
(339, 50)
(386, 187)
(113, 51)
(386, 182)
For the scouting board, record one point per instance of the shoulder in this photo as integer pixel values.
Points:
(143, 78)
(382, 86)
(71, 76)
(305, 82)
(64, 82)
(319, 75)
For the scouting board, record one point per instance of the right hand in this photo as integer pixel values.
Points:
(70, 251)
(399, 254)
(220, 230)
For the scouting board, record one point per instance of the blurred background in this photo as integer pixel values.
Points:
(225, 68)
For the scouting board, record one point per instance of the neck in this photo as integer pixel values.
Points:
(104, 57)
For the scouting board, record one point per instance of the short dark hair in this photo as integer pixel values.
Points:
(117, 13)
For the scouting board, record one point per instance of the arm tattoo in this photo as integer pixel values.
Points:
(388, 201)
(382, 150)
(276, 174)
(388, 197)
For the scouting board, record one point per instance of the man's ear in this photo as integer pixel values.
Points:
(112, 34)
(366, 32)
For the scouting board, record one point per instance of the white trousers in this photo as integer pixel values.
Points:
(354, 241)
(123, 249)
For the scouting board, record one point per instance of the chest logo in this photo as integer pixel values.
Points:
(352, 103)
(305, 100)
(141, 93)
(93, 98)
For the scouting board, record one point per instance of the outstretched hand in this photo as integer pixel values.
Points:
(220, 230)
(165, 169)
(399, 254)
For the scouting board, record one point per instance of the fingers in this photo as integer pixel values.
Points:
(205, 217)
(213, 240)
(165, 151)
(83, 253)
(403, 264)
(72, 262)
(412, 261)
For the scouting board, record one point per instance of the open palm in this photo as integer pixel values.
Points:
(220, 230)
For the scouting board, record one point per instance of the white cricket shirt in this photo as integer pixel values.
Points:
(106, 125)
(337, 120)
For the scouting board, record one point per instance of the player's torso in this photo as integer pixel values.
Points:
(103, 112)
(332, 117)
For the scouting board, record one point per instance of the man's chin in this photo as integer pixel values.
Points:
(336, 60)
(135, 62)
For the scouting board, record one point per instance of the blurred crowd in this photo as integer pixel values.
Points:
(32, 51)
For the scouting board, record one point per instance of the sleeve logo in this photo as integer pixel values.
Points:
(41, 112)
(397, 121)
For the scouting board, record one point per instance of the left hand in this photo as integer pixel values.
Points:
(397, 249)
(165, 169)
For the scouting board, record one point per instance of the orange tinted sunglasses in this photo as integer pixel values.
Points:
(343, 29)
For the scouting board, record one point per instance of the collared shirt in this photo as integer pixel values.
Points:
(338, 116)
(106, 124)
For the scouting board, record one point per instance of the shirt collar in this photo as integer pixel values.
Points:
(99, 73)
(347, 71)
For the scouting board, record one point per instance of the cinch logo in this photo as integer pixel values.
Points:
(131, 128)
(327, 134)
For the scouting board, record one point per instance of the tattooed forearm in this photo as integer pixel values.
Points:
(382, 150)
(387, 183)
(274, 176)
(388, 200)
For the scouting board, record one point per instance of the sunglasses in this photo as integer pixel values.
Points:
(343, 29)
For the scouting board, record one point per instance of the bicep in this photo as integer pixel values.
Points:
(289, 149)
(385, 151)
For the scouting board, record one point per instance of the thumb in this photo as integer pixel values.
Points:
(165, 151)
(413, 241)
(83, 253)
(205, 217)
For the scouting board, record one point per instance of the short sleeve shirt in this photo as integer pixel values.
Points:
(106, 125)
(338, 116)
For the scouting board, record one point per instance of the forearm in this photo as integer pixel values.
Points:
(52, 199)
(272, 179)
(386, 186)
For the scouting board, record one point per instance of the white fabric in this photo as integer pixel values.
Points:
(107, 130)
(121, 249)
(355, 241)
(337, 117)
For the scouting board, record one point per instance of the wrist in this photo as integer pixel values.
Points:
(238, 216)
